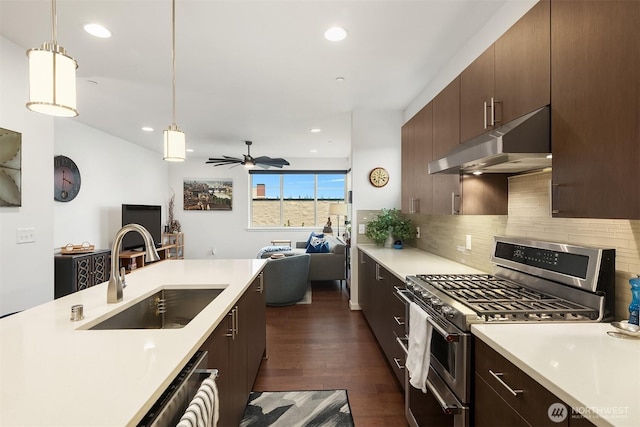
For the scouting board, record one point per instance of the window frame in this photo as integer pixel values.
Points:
(281, 173)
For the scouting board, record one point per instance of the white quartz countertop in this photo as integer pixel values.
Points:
(53, 373)
(597, 375)
(594, 373)
(411, 261)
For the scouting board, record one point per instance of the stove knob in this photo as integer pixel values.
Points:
(436, 303)
(448, 311)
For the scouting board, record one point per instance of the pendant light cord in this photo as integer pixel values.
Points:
(54, 22)
(173, 59)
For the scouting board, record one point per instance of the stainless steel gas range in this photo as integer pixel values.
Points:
(533, 281)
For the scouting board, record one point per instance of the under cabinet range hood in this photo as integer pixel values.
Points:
(521, 145)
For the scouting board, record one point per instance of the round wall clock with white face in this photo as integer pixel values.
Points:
(378, 177)
(66, 179)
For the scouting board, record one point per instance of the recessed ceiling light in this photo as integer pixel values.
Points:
(477, 173)
(313, 150)
(339, 79)
(147, 129)
(315, 130)
(97, 30)
(335, 34)
(189, 150)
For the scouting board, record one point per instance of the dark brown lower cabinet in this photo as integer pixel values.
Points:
(74, 273)
(235, 349)
(384, 312)
(505, 396)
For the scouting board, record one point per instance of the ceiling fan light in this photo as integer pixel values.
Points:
(52, 81)
(174, 144)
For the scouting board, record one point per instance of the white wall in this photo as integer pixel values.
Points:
(375, 141)
(26, 270)
(227, 231)
(113, 171)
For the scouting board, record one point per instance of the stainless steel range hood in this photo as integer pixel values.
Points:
(518, 146)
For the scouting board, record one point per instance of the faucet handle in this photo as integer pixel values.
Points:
(123, 277)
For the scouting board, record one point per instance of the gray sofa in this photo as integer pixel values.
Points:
(323, 266)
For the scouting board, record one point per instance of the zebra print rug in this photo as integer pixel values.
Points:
(327, 408)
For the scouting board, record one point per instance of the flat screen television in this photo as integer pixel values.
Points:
(148, 216)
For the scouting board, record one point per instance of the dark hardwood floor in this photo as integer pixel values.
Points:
(324, 345)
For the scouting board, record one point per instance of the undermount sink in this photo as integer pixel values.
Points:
(166, 309)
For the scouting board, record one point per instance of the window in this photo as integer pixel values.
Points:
(295, 198)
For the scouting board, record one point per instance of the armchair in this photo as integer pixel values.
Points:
(286, 279)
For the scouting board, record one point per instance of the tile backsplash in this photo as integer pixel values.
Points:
(529, 216)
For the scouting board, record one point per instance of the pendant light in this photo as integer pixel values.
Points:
(174, 138)
(52, 76)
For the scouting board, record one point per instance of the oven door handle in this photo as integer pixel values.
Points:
(449, 337)
(446, 408)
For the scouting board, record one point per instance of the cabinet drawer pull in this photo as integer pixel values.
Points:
(398, 320)
(397, 362)
(497, 376)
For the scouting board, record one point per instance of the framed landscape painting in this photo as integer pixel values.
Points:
(208, 194)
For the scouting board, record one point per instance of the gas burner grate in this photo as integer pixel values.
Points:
(500, 299)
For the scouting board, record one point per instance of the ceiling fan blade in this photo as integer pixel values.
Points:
(232, 158)
(223, 161)
(277, 162)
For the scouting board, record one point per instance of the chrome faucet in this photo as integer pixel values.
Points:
(116, 281)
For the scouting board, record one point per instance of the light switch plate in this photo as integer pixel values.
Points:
(25, 235)
(360, 228)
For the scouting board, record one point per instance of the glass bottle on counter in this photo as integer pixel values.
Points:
(634, 307)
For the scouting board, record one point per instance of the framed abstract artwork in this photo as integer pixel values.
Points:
(10, 168)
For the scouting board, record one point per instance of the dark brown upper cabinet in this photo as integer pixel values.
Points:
(595, 108)
(511, 78)
(417, 146)
(446, 137)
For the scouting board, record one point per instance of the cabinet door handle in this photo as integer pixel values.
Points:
(497, 376)
(398, 320)
(231, 331)
(493, 112)
(237, 322)
(378, 276)
(484, 122)
(362, 258)
(261, 284)
(453, 203)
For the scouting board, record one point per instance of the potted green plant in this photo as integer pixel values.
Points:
(390, 224)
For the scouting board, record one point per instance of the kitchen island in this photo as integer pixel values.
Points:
(55, 373)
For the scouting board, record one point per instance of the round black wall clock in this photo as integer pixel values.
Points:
(66, 179)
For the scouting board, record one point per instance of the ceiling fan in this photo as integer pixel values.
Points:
(248, 160)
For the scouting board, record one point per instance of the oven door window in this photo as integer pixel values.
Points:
(444, 352)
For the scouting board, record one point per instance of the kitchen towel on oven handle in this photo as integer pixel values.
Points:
(419, 356)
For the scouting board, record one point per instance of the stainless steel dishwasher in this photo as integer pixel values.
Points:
(174, 401)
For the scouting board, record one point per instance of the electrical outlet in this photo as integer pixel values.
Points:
(417, 232)
(25, 235)
(360, 228)
(467, 244)
(213, 251)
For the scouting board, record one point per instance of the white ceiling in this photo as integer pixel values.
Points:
(258, 70)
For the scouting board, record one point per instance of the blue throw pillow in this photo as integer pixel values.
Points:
(311, 236)
(318, 246)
